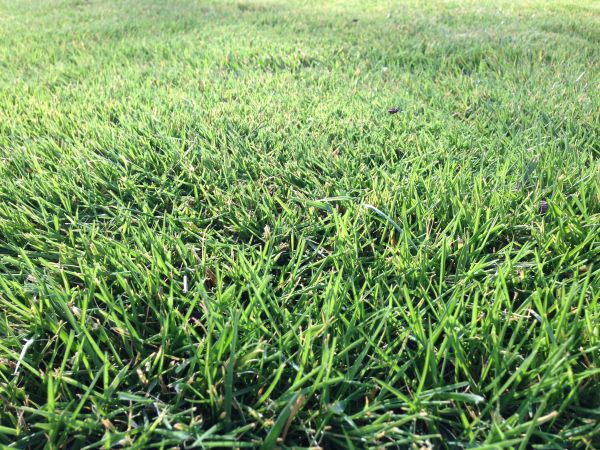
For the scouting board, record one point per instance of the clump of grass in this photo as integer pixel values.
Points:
(213, 232)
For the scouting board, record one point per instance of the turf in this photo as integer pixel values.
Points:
(213, 233)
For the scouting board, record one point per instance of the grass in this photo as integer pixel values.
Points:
(214, 234)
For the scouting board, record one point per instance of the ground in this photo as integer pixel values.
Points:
(326, 224)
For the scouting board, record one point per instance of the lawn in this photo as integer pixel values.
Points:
(299, 224)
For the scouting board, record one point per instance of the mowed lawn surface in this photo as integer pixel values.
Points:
(214, 234)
